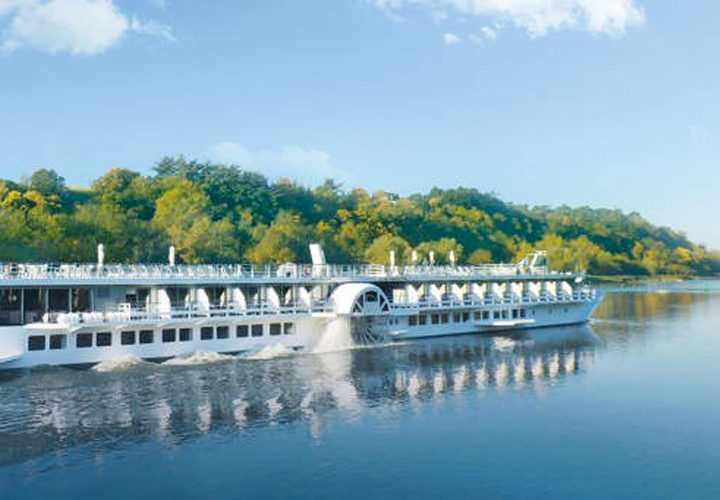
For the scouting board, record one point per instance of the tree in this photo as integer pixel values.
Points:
(47, 182)
(181, 213)
(128, 191)
(379, 251)
(232, 191)
(480, 256)
(285, 240)
(441, 250)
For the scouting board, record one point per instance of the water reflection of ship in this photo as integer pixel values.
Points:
(59, 409)
(512, 360)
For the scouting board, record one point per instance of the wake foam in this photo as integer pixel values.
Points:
(268, 352)
(199, 358)
(120, 364)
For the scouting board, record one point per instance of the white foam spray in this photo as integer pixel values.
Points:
(268, 352)
(335, 336)
(199, 358)
(120, 364)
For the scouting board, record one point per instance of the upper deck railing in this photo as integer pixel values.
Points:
(243, 272)
(128, 313)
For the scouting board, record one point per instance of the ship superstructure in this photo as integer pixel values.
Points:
(65, 314)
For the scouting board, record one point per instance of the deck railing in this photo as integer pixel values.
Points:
(242, 272)
(127, 313)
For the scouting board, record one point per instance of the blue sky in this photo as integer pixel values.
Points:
(612, 103)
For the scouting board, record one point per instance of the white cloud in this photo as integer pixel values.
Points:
(304, 165)
(490, 32)
(451, 39)
(153, 28)
(79, 27)
(536, 17)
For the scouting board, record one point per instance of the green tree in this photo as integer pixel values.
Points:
(379, 251)
(47, 182)
(441, 250)
(285, 240)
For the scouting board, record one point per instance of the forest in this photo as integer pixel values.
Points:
(215, 213)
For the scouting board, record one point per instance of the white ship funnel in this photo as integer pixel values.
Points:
(171, 255)
(317, 254)
(100, 254)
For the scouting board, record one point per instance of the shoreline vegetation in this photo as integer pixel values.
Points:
(214, 213)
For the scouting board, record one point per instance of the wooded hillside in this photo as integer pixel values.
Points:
(220, 213)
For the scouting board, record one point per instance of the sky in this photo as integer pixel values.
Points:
(606, 103)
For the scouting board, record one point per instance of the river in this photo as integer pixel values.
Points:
(627, 406)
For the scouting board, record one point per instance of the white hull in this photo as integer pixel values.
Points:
(308, 333)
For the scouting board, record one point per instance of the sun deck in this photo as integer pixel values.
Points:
(163, 274)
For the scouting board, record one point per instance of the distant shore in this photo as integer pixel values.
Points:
(615, 279)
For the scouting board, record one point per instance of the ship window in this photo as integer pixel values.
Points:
(496, 314)
(127, 338)
(288, 328)
(223, 332)
(466, 317)
(445, 318)
(58, 341)
(10, 305)
(36, 343)
(83, 340)
(486, 315)
(169, 335)
(412, 320)
(514, 313)
(422, 319)
(505, 314)
(257, 330)
(435, 319)
(275, 329)
(242, 331)
(103, 339)
(522, 313)
(206, 333)
(59, 299)
(146, 336)
(456, 317)
(185, 334)
(477, 315)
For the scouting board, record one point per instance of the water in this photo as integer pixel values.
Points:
(628, 406)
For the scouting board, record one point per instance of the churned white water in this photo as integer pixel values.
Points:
(335, 337)
(118, 364)
(199, 358)
(268, 352)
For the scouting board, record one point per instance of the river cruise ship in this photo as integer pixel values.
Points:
(82, 314)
